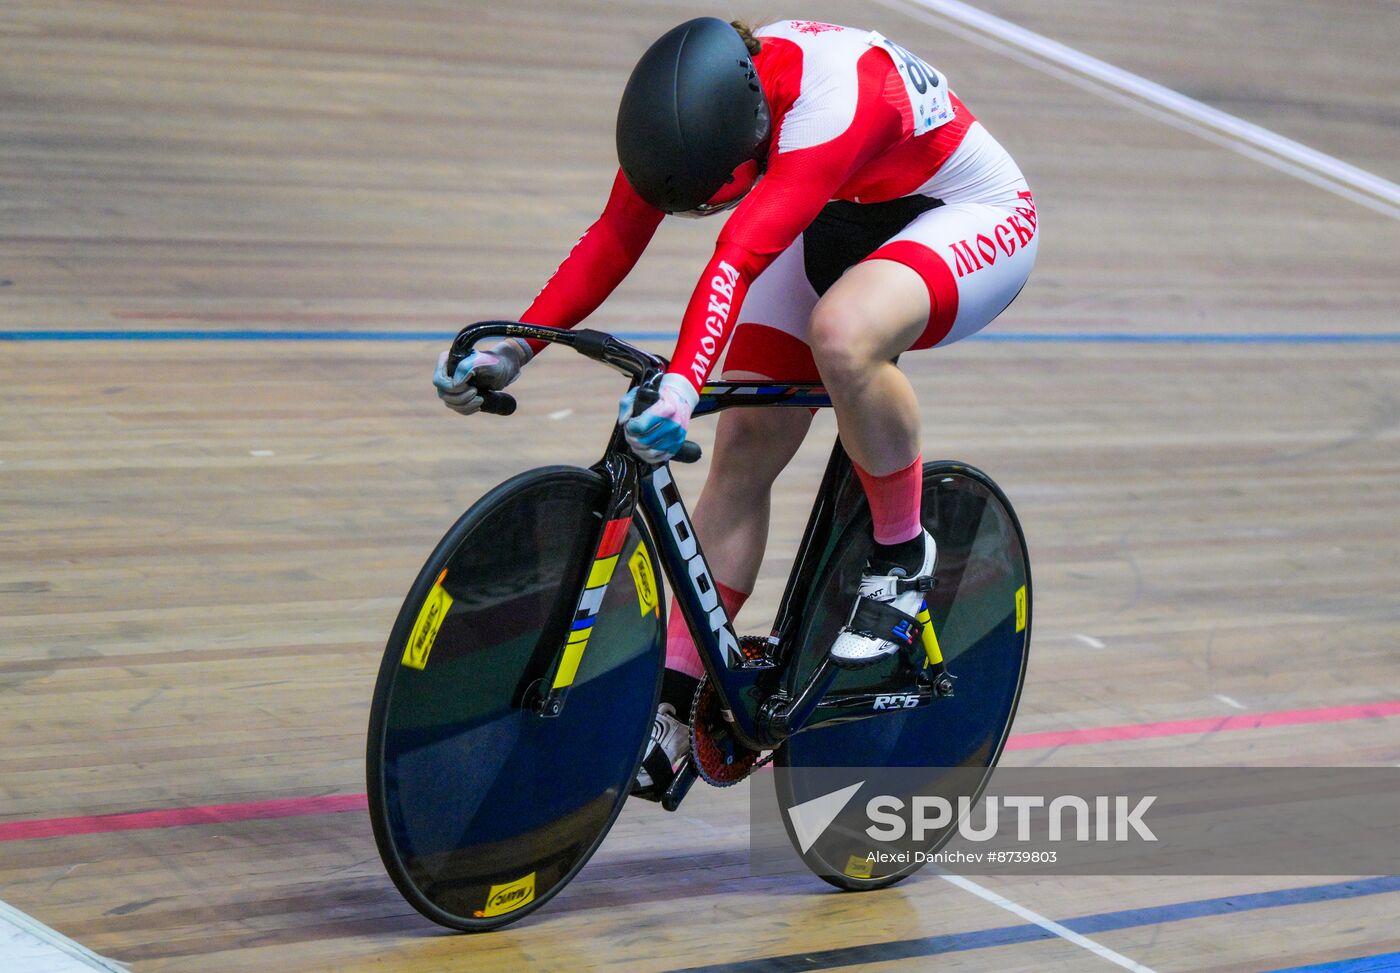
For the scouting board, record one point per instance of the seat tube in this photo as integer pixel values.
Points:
(820, 523)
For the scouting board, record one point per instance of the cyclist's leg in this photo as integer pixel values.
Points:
(731, 517)
(876, 311)
(946, 275)
(915, 291)
(752, 446)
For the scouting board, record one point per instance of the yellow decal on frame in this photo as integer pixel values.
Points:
(601, 572)
(1021, 608)
(932, 650)
(573, 655)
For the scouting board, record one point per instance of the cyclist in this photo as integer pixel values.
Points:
(875, 215)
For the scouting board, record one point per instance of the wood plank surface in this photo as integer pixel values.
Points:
(203, 544)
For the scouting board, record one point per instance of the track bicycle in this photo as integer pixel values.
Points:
(517, 690)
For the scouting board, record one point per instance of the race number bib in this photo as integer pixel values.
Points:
(927, 87)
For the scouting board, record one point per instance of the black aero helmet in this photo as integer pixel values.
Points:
(692, 113)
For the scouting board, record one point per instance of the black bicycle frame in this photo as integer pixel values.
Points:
(743, 680)
(762, 712)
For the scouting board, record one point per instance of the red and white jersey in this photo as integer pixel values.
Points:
(855, 117)
(832, 87)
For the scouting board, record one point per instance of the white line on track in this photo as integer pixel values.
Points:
(1158, 101)
(28, 945)
(1230, 701)
(1090, 641)
(1049, 925)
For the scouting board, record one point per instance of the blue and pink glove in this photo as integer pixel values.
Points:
(659, 432)
(490, 367)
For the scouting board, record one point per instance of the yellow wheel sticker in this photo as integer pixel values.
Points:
(508, 897)
(1021, 608)
(640, 564)
(425, 629)
(857, 867)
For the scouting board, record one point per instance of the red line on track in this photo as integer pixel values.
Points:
(176, 817)
(337, 803)
(1170, 728)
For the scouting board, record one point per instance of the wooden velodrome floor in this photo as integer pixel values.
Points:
(203, 543)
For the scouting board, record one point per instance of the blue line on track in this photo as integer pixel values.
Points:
(1188, 338)
(1085, 925)
(1004, 337)
(226, 334)
(1202, 908)
(1361, 964)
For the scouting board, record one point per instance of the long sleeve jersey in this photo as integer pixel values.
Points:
(850, 121)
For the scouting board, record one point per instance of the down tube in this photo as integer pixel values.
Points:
(699, 600)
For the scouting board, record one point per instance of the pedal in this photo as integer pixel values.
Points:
(668, 796)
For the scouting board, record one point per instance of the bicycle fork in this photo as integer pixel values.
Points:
(548, 699)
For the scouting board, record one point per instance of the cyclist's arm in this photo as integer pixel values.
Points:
(796, 186)
(603, 256)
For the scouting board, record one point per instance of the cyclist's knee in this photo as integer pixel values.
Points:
(876, 311)
(840, 340)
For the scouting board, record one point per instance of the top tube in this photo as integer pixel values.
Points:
(716, 396)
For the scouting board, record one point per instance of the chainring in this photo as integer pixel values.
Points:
(720, 759)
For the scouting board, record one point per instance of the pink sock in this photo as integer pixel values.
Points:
(895, 499)
(681, 653)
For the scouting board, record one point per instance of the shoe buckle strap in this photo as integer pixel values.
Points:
(879, 620)
(923, 583)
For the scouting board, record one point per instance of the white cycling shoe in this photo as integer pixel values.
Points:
(883, 619)
(670, 742)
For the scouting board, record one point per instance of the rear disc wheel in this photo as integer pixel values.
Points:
(980, 611)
